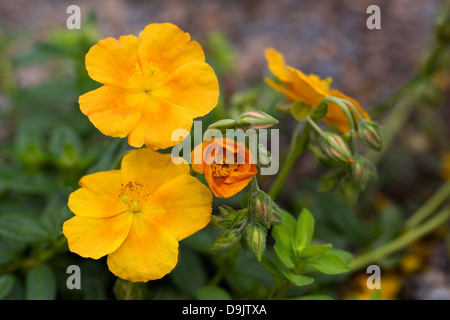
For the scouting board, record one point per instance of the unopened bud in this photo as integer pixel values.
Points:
(360, 172)
(370, 134)
(226, 239)
(223, 124)
(261, 209)
(225, 211)
(335, 148)
(255, 120)
(255, 238)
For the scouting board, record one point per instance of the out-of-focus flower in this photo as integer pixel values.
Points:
(445, 169)
(153, 84)
(137, 215)
(390, 286)
(228, 166)
(296, 86)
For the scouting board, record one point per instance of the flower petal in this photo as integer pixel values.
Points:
(95, 238)
(148, 253)
(168, 46)
(113, 111)
(99, 196)
(150, 167)
(193, 86)
(183, 206)
(113, 62)
(158, 121)
(307, 90)
(276, 64)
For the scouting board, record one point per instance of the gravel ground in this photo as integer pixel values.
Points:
(326, 37)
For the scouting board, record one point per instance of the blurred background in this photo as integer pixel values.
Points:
(47, 144)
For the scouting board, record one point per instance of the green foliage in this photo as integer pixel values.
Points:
(298, 257)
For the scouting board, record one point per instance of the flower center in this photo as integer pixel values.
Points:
(223, 170)
(134, 195)
(148, 75)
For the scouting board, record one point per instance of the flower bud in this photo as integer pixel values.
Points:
(226, 239)
(255, 120)
(225, 211)
(255, 238)
(223, 124)
(335, 148)
(370, 134)
(261, 209)
(360, 172)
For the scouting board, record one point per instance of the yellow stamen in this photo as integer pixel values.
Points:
(223, 170)
(135, 195)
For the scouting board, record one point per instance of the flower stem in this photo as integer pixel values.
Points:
(430, 206)
(298, 148)
(282, 290)
(401, 241)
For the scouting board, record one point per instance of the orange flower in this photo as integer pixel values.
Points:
(153, 84)
(137, 215)
(296, 86)
(226, 164)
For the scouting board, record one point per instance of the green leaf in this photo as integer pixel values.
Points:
(288, 220)
(40, 283)
(212, 293)
(311, 251)
(282, 235)
(330, 263)
(298, 279)
(22, 228)
(284, 254)
(6, 285)
(304, 230)
(301, 110)
(272, 265)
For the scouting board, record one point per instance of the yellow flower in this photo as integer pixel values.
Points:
(153, 84)
(296, 86)
(137, 215)
(445, 170)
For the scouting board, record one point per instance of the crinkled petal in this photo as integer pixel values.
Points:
(193, 86)
(182, 206)
(305, 89)
(113, 111)
(99, 195)
(159, 120)
(168, 46)
(150, 167)
(149, 252)
(113, 62)
(95, 238)
(276, 64)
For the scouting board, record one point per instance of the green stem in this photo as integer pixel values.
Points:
(430, 206)
(401, 241)
(294, 153)
(282, 290)
(28, 263)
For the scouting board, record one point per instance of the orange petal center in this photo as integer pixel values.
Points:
(223, 170)
(135, 195)
(148, 75)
